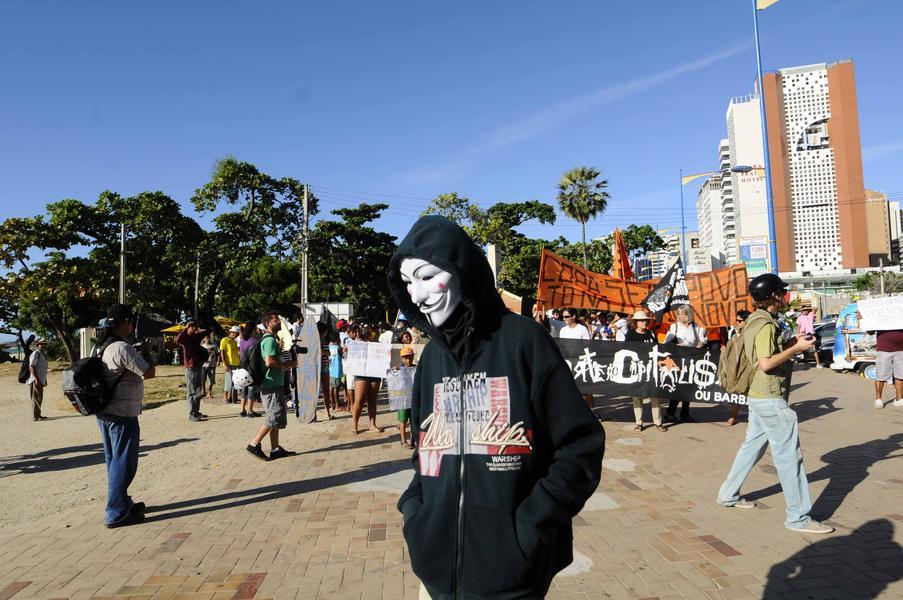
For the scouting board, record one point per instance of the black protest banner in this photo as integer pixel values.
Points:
(646, 370)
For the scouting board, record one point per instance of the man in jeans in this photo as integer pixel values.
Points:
(37, 379)
(124, 370)
(771, 420)
(272, 390)
(190, 340)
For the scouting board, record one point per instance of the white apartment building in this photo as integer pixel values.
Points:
(744, 134)
(806, 111)
(710, 206)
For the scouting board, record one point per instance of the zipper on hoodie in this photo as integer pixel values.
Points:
(462, 434)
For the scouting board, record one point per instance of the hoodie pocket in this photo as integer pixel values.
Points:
(430, 535)
(494, 559)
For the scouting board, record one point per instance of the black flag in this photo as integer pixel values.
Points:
(670, 292)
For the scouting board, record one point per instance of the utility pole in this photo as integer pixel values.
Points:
(304, 233)
(122, 263)
(197, 283)
(881, 275)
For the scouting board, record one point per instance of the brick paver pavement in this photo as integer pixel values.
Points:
(323, 524)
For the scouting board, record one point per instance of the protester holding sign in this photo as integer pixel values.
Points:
(684, 333)
(639, 332)
(771, 420)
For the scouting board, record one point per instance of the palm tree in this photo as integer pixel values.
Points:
(582, 196)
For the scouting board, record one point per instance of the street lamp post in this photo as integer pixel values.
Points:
(769, 200)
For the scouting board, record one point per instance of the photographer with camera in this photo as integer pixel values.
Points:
(771, 420)
(125, 367)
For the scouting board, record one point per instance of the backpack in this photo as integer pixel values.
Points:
(735, 370)
(24, 368)
(85, 386)
(253, 363)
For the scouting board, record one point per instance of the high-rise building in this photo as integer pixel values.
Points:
(709, 212)
(895, 221)
(878, 228)
(747, 187)
(816, 167)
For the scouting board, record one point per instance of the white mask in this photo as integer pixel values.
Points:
(435, 292)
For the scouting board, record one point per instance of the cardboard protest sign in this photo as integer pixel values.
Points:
(881, 314)
(400, 385)
(563, 283)
(367, 359)
(648, 371)
(716, 296)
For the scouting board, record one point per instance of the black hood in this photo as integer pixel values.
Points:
(443, 243)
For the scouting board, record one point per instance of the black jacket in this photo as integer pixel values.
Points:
(497, 524)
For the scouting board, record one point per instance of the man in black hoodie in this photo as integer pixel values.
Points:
(507, 451)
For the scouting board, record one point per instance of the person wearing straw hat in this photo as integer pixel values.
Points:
(638, 331)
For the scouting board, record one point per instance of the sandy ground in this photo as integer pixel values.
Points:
(63, 456)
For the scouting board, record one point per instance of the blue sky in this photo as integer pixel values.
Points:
(401, 101)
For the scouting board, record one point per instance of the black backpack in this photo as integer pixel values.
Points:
(85, 386)
(252, 362)
(24, 368)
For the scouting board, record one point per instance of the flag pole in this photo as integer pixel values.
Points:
(769, 199)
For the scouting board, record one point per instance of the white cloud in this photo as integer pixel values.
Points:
(541, 121)
(870, 153)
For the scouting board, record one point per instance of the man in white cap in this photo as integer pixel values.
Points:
(37, 379)
(228, 350)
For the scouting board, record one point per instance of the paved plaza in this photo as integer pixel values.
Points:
(323, 524)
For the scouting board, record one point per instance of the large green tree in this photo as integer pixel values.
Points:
(63, 267)
(582, 196)
(349, 260)
(267, 222)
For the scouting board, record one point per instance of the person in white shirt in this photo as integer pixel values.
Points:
(386, 336)
(573, 329)
(620, 328)
(684, 333)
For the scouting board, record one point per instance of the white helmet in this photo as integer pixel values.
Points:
(241, 378)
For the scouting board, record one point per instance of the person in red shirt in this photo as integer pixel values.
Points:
(190, 340)
(889, 360)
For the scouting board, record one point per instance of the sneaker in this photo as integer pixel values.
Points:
(741, 503)
(243, 414)
(898, 403)
(819, 366)
(254, 414)
(203, 416)
(281, 452)
(879, 403)
(257, 452)
(813, 527)
(133, 518)
(195, 418)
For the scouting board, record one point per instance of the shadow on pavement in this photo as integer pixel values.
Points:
(846, 468)
(359, 441)
(272, 492)
(859, 565)
(43, 462)
(812, 409)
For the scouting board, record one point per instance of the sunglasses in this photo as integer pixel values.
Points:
(567, 316)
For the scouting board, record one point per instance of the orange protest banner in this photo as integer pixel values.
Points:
(716, 296)
(563, 283)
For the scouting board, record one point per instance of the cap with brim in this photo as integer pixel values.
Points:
(120, 312)
(40, 341)
(407, 351)
(641, 315)
(235, 329)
